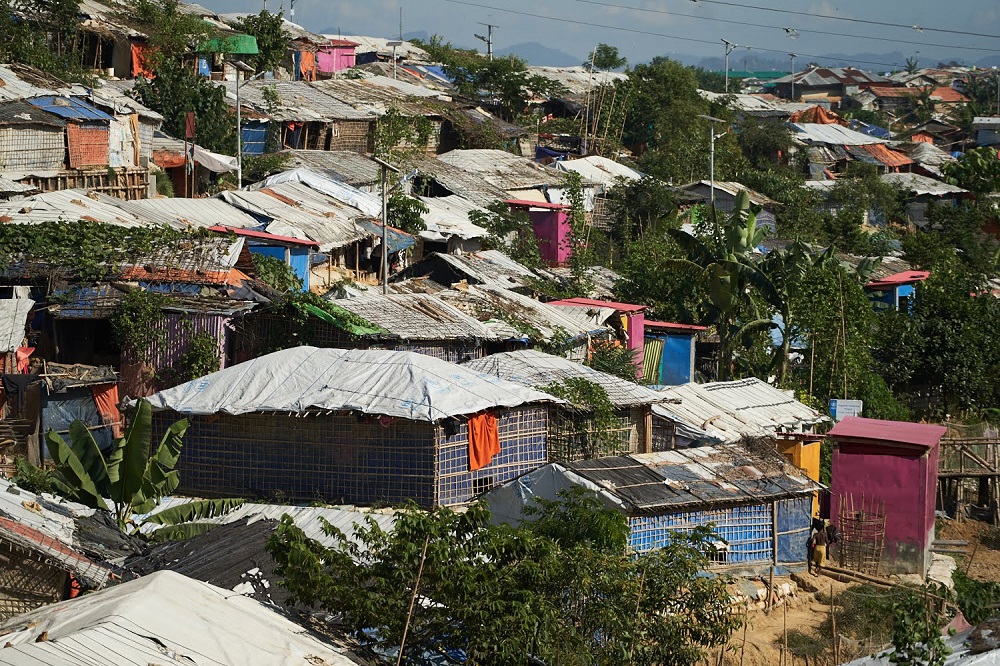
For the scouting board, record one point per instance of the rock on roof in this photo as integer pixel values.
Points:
(387, 383)
(162, 617)
(534, 368)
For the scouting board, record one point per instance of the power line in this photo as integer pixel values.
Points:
(782, 28)
(918, 28)
(636, 31)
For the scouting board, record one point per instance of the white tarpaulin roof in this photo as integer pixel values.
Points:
(158, 619)
(367, 203)
(13, 317)
(599, 169)
(388, 383)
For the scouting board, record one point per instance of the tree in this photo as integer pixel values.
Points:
(559, 589)
(175, 91)
(640, 207)
(170, 32)
(510, 232)
(44, 34)
(912, 65)
(978, 170)
(406, 213)
(606, 57)
(762, 142)
(723, 260)
(131, 480)
(272, 38)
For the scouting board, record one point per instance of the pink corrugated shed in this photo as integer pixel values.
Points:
(862, 430)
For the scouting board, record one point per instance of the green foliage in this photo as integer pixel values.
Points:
(916, 633)
(858, 193)
(185, 520)
(44, 34)
(275, 273)
(397, 135)
(31, 478)
(978, 170)
(715, 81)
(977, 599)
(258, 167)
(606, 57)
(170, 31)
(578, 239)
(560, 589)
(406, 213)
(272, 39)
(614, 359)
(639, 208)
(761, 141)
(597, 431)
(87, 251)
(672, 295)
(199, 359)
(510, 232)
(164, 186)
(137, 323)
(801, 215)
(176, 90)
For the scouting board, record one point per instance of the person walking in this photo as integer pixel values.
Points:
(819, 542)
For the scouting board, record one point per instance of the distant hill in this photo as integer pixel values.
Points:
(539, 54)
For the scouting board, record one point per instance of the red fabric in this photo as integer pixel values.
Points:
(189, 129)
(22, 354)
(106, 399)
(484, 440)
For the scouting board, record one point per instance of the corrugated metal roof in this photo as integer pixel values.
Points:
(343, 165)
(523, 316)
(578, 80)
(13, 318)
(491, 268)
(207, 260)
(729, 411)
(503, 170)
(20, 112)
(448, 217)
(917, 184)
(597, 169)
(535, 369)
(416, 317)
(831, 134)
(8, 186)
(887, 156)
(380, 45)
(22, 81)
(732, 188)
(70, 108)
(287, 219)
(181, 213)
(161, 618)
(888, 432)
(68, 206)
(699, 477)
(457, 180)
(299, 101)
(826, 76)
(379, 94)
(595, 303)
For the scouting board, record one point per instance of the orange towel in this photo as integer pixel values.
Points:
(484, 440)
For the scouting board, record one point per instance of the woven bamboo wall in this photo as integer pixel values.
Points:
(32, 148)
(347, 459)
(576, 436)
(26, 582)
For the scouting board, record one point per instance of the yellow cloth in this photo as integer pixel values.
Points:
(819, 556)
(484, 440)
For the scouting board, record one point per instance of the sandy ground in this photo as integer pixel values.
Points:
(985, 558)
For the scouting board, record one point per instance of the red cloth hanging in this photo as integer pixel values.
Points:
(22, 354)
(484, 440)
(106, 399)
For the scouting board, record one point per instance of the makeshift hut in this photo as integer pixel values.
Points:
(628, 319)
(354, 426)
(883, 493)
(668, 354)
(30, 139)
(758, 505)
(895, 292)
(591, 426)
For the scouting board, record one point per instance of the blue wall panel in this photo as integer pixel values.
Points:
(794, 517)
(675, 368)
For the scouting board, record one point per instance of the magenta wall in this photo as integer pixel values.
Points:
(331, 59)
(906, 482)
(551, 229)
(637, 336)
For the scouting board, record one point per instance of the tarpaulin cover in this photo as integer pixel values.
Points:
(106, 400)
(61, 409)
(367, 203)
(346, 321)
(794, 517)
(396, 239)
(387, 383)
(542, 152)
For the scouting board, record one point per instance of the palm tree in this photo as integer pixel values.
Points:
(724, 260)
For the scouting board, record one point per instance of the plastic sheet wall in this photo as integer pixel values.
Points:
(59, 410)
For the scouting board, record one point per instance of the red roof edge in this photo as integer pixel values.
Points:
(524, 203)
(875, 431)
(263, 235)
(897, 279)
(692, 328)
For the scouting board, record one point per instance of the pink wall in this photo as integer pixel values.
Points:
(636, 330)
(551, 230)
(906, 482)
(331, 59)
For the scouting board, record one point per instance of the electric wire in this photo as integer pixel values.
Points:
(655, 34)
(918, 28)
(665, 12)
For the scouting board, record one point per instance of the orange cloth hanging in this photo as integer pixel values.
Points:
(484, 440)
(22, 354)
(307, 66)
(106, 399)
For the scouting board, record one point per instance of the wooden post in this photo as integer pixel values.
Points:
(413, 599)
(774, 532)
(770, 590)
(833, 626)
(746, 622)
(784, 631)
(647, 430)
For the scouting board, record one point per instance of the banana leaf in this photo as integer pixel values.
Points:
(200, 510)
(89, 454)
(74, 479)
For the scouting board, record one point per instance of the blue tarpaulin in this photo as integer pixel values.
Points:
(254, 136)
(70, 108)
(396, 239)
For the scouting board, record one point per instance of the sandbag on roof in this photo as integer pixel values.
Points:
(386, 383)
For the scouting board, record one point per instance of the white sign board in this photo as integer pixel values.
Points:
(841, 408)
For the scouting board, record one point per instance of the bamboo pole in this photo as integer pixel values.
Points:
(784, 631)
(413, 599)
(746, 622)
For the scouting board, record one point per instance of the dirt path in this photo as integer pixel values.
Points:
(985, 558)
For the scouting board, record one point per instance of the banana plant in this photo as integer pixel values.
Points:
(724, 260)
(130, 481)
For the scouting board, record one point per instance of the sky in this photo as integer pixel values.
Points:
(680, 27)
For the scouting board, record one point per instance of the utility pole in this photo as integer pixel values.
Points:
(792, 56)
(291, 10)
(730, 47)
(488, 39)
(711, 156)
(394, 44)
